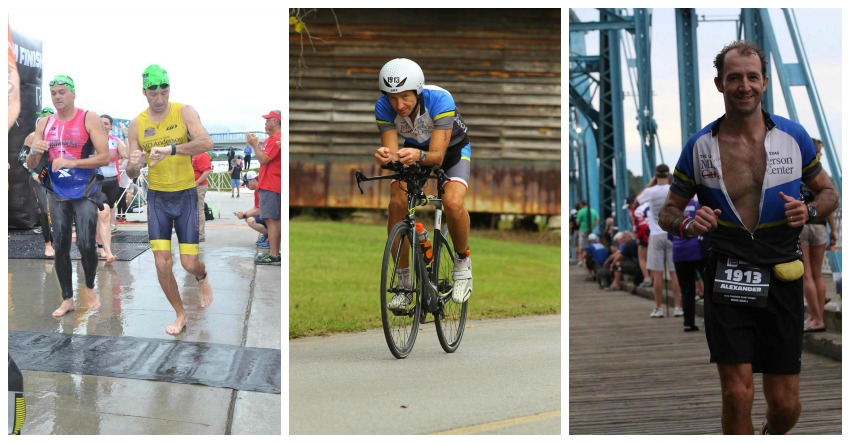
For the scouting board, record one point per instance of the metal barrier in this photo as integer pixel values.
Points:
(140, 196)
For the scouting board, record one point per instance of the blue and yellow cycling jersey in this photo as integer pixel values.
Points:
(791, 159)
(438, 111)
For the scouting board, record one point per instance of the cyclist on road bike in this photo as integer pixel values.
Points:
(434, 134)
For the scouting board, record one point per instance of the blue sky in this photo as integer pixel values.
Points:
(821, 33)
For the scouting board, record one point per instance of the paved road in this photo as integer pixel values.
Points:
(504, 379)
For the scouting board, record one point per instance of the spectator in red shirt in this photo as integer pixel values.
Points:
(202, 164)
(269, 185)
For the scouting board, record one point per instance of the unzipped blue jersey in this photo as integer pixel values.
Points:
(791, 158)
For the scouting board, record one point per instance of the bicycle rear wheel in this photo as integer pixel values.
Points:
(401, 324)
(451, 319)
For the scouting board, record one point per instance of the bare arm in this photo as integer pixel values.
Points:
(826, 197)
(672, 215)
(436, 149)
(261, 156)
(673, 209)
(14, 93)
(123, 150)
(200, 140)
(203, 176)
(135, 154)
(37, 144)
(97, 134)
(437, 146)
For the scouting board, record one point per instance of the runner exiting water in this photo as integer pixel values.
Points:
(168, 134)
(76, 146)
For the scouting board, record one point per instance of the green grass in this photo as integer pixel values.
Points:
(335, 272)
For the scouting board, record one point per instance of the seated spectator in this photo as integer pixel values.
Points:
(594, 256)
(252, 216)
(624, 260)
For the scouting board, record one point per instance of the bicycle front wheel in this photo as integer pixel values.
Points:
(451, 318)
(400, 295)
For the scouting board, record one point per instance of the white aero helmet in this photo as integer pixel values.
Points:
(400, 75)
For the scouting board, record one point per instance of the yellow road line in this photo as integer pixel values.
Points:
(516, 421)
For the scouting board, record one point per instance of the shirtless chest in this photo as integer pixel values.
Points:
(744, 167)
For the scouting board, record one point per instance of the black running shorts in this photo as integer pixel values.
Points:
(770, 338)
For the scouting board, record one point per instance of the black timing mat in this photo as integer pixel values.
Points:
(126, 245)
(172, 361)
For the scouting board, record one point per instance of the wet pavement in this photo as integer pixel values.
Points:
(246, 311)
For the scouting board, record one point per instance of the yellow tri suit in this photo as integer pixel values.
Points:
(172, 199)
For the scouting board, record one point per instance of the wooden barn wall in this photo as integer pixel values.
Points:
(503, 67)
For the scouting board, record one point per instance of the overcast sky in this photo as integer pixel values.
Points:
(226, 62)
(822, 38)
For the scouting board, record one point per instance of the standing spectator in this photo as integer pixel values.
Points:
(235, 176)
(202, 164)
(813, 245)
(111, 190)
(269, 184)
(659, 258)
(124, 183)
(641, 225)
(594, 256)
(231, 154)
(588, 219)
(688, 260)
(248, 152)
(574, 233)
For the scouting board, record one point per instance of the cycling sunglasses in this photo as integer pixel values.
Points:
(155, 87)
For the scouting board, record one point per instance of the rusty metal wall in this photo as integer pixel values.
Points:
(507, 186)
(503, 68)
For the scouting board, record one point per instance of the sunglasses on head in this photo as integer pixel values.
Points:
(155, 87)
(59, 82)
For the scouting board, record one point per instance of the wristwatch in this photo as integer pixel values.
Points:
(421, 156)
(813, 211)
(173, 149)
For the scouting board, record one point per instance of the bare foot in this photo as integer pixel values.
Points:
(177, 327)
(110, 258)
(66, 307)
(91, 296)
(205, 291)
(48, 250)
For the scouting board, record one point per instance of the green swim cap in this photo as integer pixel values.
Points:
(45, 112)
(155, 76)
(64, 80)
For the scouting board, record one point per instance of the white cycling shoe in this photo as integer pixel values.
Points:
(462, 276)
(399, 301)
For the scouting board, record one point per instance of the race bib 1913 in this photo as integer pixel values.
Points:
(740, 283)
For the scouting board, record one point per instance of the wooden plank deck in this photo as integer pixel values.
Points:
(631, 374)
